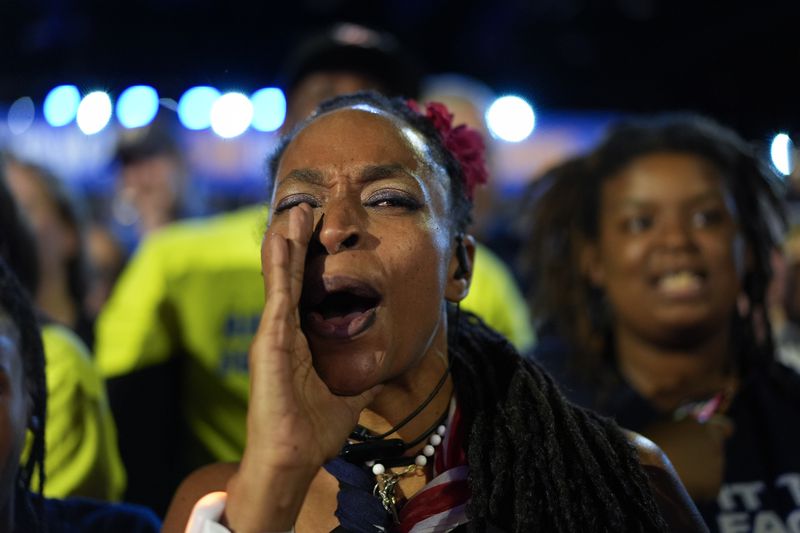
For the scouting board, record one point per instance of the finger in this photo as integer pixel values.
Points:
(275, 329)
(301, 223)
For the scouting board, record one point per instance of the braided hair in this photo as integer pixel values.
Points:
(536, 462)
(565, 214)
(17, 307)
(18, 284)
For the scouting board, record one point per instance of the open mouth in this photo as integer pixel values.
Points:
(681, 283)
(339, 308)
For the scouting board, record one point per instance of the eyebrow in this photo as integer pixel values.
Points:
(369, 173)
(637, 202)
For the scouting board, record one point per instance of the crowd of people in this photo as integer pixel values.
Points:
(349, 357)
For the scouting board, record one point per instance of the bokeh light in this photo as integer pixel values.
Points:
(510, 118)
(20, 115)
(269, 109)
(231, 115)
(137, 106)
(781, 152)
(94, 112)
(61, 105)
(194, 107)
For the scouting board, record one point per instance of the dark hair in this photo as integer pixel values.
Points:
(537, 462)
(16, 240)
(351, 47)
(72, 216)
(155, 139)
(16, 305)
(460, 205)
(18, 284)
(566, 215)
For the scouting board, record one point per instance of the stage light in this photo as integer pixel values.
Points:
(194, 107)
(231, 115)
(781, 152)
(510, 118)
(137, 106)
(94, 112)
(20, 115)
(61, 105)
(269, 109)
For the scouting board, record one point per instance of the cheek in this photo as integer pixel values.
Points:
(621, 255)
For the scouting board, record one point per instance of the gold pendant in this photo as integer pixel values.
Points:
(385, 488)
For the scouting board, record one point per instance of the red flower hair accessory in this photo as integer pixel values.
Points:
(463, 142)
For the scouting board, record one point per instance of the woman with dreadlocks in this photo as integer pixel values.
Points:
(649, 260)
(375, 405)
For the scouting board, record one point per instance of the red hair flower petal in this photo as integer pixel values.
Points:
(463, 142)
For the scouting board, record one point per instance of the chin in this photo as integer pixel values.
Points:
(684, 335)
(348, 374)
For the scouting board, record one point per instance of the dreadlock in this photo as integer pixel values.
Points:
(566, 212)
(18, 283)
(537, 462)
(16, 306)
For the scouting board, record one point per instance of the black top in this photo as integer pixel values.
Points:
(761, 481)
(83, 515)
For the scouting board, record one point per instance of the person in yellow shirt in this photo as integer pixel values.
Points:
(83, 458)
(184, 311)
(81, 440)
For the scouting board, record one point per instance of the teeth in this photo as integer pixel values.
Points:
(680, 281)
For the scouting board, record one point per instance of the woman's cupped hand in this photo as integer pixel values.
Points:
(294, 422)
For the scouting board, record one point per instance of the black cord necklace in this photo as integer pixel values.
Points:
(390, 451)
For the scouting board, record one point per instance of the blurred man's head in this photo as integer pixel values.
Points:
(152, 174)
(346, 58)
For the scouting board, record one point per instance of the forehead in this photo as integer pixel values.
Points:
(665, 177)
(355, 136)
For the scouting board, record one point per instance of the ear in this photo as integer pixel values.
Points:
(590, 264)
(460, 269)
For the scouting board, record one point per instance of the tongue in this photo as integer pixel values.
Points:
(341, 320)
(341, 326)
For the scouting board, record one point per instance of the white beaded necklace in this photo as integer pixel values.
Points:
(420, 460)
(386, 480)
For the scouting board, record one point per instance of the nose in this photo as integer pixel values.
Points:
(340, 227)
(676, 233)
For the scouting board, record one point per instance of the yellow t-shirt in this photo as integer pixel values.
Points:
(196, 288)
(81, 458)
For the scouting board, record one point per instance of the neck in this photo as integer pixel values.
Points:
(54, 299)
(401, 397)
(669, 377)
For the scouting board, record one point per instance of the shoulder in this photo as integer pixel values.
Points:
(58, 338)
(669, 493)
(210, 478)
(648, 451)
(68, 360)
(235, 231)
